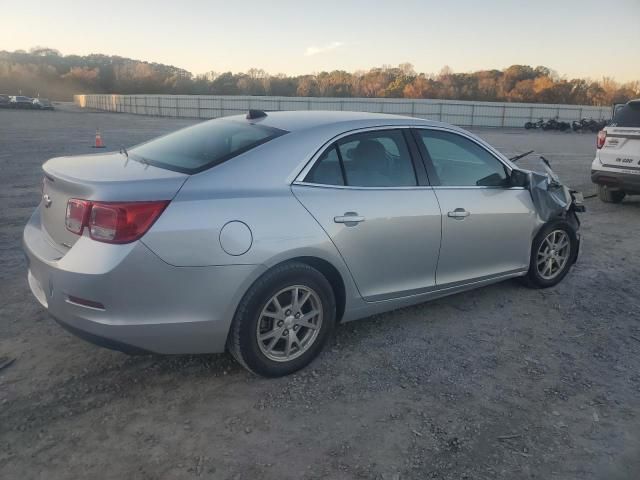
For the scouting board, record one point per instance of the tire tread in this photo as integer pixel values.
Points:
(242, 312)
(610, 196)
(530, 279)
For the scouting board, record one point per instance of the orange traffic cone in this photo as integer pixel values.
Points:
(98, 143)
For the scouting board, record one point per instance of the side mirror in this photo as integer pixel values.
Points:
(493, 180)
(518, 178)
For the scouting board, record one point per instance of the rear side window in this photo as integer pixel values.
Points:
(371, 159)
(327, 170)
(627, 116)
(204, 145)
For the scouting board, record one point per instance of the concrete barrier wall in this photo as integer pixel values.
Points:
(467, 114)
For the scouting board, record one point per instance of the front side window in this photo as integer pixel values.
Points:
(459, 162)
(371, 159)
(204, 145)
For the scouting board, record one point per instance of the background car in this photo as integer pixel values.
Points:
(4, 100)
(42, 103)
(616, 166)
(259, 234)
(20, 101)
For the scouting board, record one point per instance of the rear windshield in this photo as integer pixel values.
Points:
(627, 116)
(204, 145)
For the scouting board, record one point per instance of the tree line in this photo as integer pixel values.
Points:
(46, 72)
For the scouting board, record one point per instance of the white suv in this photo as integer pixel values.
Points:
(616, 168)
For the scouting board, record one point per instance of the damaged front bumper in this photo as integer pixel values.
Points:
(551, 198)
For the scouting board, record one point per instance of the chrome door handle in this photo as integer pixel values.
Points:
(350, 219)
(459, 214)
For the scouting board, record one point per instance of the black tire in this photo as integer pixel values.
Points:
(534, 279)
(528, 125)
(242, 341)
(610, 196)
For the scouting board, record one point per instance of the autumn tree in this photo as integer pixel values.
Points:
(47, 72)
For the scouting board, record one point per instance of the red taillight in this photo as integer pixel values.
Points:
(77, 215)
(116, 222)
(602, 137)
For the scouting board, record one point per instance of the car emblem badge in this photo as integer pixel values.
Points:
(47, 200)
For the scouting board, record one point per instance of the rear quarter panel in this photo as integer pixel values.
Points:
(187, 234)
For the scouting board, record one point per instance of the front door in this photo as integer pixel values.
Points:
(364, 192)
(487, 225)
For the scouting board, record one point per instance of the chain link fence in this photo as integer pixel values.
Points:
(462, 113)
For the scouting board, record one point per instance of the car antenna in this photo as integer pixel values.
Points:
(253, 114)
(522, 155)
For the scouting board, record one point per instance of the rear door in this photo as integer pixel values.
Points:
(621, 150)
(487, 226)
(369, 193)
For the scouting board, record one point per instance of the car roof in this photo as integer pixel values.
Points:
(278, 161)
(295, 121)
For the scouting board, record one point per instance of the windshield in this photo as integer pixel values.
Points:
(627, 116)
(204, 145)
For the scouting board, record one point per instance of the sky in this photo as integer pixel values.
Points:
(585, 38)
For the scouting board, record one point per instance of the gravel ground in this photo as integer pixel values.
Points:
(498, 383)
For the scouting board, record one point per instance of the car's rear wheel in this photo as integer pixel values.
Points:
(552, 253)
(610, 196)
(283, 321)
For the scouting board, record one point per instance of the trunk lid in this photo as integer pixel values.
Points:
(107, 177)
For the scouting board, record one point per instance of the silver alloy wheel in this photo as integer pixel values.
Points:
(289, 323)
(553, 254)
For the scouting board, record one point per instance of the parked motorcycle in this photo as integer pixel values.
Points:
(581, 125)
(530, 125)
(600, 125)
(555, 124)
(590, 125)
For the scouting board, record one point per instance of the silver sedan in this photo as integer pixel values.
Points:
(259, 233)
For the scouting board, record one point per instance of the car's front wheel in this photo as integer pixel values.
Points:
(553, 252)
(283, 321)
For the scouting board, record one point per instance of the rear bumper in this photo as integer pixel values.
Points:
(627, 182)
(149, 305)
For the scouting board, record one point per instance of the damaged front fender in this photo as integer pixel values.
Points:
(551, 198)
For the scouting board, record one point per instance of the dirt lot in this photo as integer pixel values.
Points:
(502, 382)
